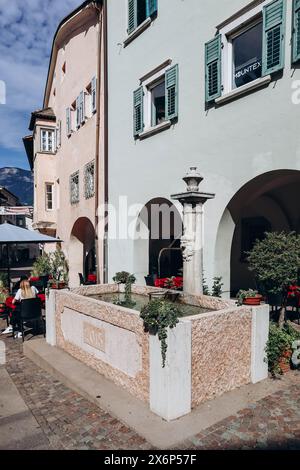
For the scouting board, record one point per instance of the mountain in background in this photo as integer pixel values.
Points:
(18, 182)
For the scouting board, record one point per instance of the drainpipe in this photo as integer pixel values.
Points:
(105, 157)
(97, 153)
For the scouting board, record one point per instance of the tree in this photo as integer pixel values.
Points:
(276, 263)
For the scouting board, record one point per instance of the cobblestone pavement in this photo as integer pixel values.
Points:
(68, 420)
(71, 422)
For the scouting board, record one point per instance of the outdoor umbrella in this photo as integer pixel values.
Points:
(13, 235)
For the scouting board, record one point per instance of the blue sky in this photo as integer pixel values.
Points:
(26, 32)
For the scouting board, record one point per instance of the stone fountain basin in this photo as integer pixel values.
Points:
(209, 353)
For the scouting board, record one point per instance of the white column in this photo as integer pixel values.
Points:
(171, 387)
(188, 243)
(198, 256)
(260, 336)
(51, 318)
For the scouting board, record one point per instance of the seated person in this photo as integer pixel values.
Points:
(26, 291)
(16, 287)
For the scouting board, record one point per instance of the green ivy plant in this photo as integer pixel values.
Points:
(275, 262)
(159, 315)
(128, 279)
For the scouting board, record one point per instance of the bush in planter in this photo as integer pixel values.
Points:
(217, 287)
(279, 346)
(276, 262)
(42, 266)
(158, 316)
(3, 293)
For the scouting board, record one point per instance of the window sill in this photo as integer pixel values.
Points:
(260, 82)
(139, 30)
(155, 130)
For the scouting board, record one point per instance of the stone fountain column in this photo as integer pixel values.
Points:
(192, 240)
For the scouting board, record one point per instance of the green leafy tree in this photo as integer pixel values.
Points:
(275, 262)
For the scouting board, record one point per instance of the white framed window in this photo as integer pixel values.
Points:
(250, 49)
(47, 140)
(155, 102)
(140, 12)
(244, 54)
(49, 196)
(157, 105)
(74, 188)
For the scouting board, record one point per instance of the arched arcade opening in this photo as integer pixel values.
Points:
(82, 250)
(269, 202)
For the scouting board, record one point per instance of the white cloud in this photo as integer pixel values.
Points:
(27, 28)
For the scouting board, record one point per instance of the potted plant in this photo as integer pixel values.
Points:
(275, 262)
(158, 316)
(279, 348)
(59, 270)
(125, 281)
(3, 297)
(249, 297)
(41, 269)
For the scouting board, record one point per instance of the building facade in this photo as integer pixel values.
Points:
(214, 86)
(65, 148)
(185, 84)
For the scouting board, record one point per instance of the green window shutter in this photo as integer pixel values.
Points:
(132, 15)
(296, 31)
(213, 70)
(138, 111)
(151, 6)
(171, 80)
(273, 37)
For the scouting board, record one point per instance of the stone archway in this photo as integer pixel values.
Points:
(81, 250)
(269, 202)
(157, 242)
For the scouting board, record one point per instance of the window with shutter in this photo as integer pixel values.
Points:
(296, 31)
(139, 11)
(94, 94)
(77, 107)
(171, 81)
(273, 36)
(138, 111)
(82, 107)
(151, 6)
(132, 15)
(213, 69)
(68, 122)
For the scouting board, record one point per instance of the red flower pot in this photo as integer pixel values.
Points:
(254, 301)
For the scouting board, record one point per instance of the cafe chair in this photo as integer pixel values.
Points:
(31, 312)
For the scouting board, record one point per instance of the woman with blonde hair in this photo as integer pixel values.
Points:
(26, 291)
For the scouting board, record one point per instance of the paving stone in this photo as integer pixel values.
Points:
(69, 421)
